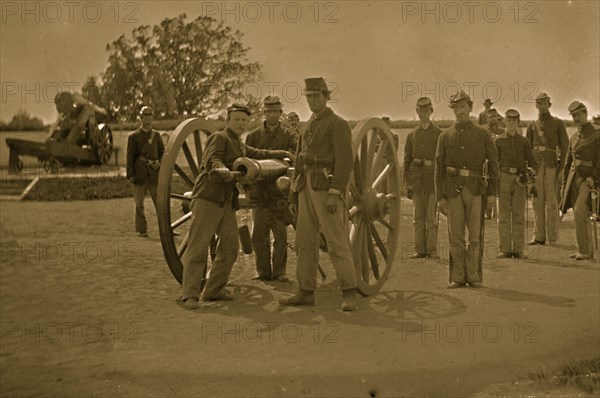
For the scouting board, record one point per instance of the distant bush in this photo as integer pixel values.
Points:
(23, 121)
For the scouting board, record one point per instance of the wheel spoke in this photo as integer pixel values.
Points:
(381, 176)
(180, 197)
(372, 255)
(385, 223)
(364, 160)
(183, 175)
(357, 178)
(181, 220)
(379, 156)
(379, 242)
(190, 159)
(183, 245)
(364, 256)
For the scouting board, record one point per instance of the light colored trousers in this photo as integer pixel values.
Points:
(139, 195)
(511, 214)
(209, 218)
(545, 206)
(464, 210)
(312, 216)
(264, 222)
(581, 213)
(424, 222)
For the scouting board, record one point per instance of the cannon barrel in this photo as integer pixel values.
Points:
(249, 170)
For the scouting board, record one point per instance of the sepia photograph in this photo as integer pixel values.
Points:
(303, 198)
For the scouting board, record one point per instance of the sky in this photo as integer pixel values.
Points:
(378, 57)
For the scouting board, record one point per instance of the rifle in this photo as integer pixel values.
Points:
(485, 177)
(594, 195)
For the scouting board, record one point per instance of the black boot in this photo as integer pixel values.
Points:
(349, 300)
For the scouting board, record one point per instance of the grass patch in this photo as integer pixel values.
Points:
(84, 188)
(583, 374)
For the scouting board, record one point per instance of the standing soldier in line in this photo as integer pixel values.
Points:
(548, 138)
(514, 156)
(581, 174)
(493, 126)
(144, 152)
(461, 186)
(484, 113)
(271, 135)
(294, 121)
(214, 203)
(323, 166)
(419, 158)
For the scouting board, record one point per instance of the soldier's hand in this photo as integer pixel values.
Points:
(332, 202)
(442, 206)
(590, 182)
(293, 208)
(221, 173)
(491, 202)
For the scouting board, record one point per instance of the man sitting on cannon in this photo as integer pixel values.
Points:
(214, 202)
(77, 119)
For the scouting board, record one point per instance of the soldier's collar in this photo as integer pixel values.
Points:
(322, 114)
(462, 125)
(545, 116)
(426, 127)
(231, 133)
(269, 129)
(587, 128)
(146, 131)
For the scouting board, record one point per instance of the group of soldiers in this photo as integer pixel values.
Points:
(459, 172)
(464, 170)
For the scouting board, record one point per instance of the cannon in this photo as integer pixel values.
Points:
(372, 197)
(79, 136)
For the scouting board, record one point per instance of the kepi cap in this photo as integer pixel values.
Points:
(293, 115)
(146, 111)
(542, 97)
(576, 106)
(513, 113)
(315, 85)
(424, 101)
(487, 101)
(492, 112)
(272, 103)
(596, 118)
(239, 108)
(459, 96)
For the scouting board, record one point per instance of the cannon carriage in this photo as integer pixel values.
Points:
(372, 198)
(78, 137)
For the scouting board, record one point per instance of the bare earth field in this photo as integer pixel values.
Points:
(88, 309)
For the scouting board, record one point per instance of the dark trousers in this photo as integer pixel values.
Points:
(139, 195)
(265, 222)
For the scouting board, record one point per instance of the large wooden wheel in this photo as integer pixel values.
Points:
(179, 167)
(373, 202)
(103, 144)
(372, 198)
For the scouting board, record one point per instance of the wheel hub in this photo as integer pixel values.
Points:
(375, 205)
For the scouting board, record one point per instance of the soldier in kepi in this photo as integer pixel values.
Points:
(548, 138)
(581, 175)
(514, 157)
(419, 159)
(493, 126)
(462, 189)
(323, 166)
(294, 121)
(144, 152)
(596, 122)
(271, 135)
(482, 119)
(214, 203)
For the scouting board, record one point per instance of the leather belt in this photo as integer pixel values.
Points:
(580, 162)
(543, 148)
(511, 170)
(425, 162)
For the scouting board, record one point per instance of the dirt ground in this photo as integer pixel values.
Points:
(89, 309)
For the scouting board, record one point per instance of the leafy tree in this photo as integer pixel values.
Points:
(178, 67)
(22, 120)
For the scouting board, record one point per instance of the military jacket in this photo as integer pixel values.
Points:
(324, 147)
(546, 135)
(141, 147)
(465, 147)
(419, 158)
(222, 149)
(514, 151)
(583, 161)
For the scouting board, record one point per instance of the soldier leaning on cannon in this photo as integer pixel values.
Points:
(419, 159)
(548, 138)
(271, 135)
(323, 166)
(461, 188)
(581, 174)
(514, 157)
(144, 152)
(214, 202)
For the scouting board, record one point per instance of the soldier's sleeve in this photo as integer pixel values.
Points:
(256, 153)
(130, 156)
(293, 141)
(215, 151)
(531, 162)
(529, 134)
(408, 156)
(341, 137)
(161, 146)
(440, 160)
(563, 139)
(251, 139)
(568, 162)
(491, 154)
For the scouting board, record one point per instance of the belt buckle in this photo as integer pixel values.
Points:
(512, 170)
(541, 148)
(464, 173)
